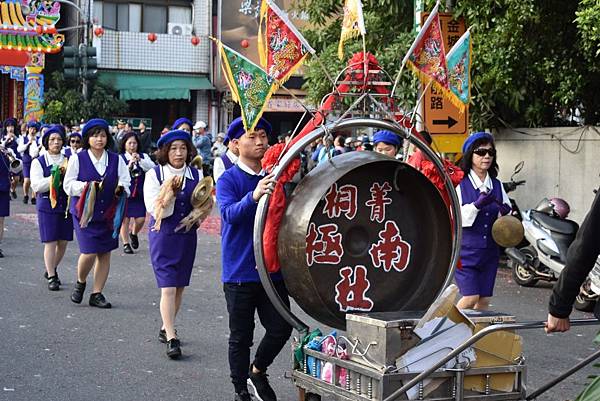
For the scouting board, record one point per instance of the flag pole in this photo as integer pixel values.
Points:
(327, 73)
(419, 102)
(365, 63)
(397, 80)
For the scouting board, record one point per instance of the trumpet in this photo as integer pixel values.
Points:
(135, 170)
(15, 165)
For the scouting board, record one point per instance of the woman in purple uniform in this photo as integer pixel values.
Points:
(24, 143)
(4, 191)
(483, 199)
(55, 224)
(172, 253)
(94, 165)
(138, 164)
(74, 145)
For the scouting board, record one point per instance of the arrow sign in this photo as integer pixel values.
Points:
(450, 122)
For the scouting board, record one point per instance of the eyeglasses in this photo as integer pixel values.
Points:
(74, 141)
(482, 152)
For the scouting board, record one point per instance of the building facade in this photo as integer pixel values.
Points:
(157, 55)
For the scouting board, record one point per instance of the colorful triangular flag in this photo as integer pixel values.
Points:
(459, 70)
(251, 87)
(427, 57)
(281, 47)
(353, 24)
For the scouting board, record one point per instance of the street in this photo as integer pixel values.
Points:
(54, 350)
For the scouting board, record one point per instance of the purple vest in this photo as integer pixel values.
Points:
(110, 179)
(227, 161)
(68, 152)
(25, 156)
(4, 173)
(182, 205)
(43, 199)
(479, 235)
(137, 184)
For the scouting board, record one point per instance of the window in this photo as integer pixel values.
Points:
(154, 19)
(135, 18)
(180, 15)
(149, 16)
(123, 17)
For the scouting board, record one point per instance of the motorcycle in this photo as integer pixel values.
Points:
(550, 234)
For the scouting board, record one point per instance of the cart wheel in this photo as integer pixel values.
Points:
(520, 273)
(312, 397)
(583, 304)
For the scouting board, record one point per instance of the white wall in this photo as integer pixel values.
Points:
(562, 162)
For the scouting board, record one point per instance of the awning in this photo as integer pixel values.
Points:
(132, 86)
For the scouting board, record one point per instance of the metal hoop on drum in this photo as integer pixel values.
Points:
(294, 151)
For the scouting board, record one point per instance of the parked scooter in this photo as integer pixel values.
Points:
(550, 234)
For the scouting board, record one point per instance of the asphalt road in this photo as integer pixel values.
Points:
(54, 350)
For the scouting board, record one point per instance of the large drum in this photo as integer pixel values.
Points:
(364, 233)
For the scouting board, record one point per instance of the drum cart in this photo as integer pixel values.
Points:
(385, 331)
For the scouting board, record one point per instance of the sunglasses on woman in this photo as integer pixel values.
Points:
(75, 141)
(482, 152)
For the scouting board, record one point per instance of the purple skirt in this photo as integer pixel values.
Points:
(4, 204)
(172, 257)
(95, 238)
(135, 208)
(477, 275)
(55, 227)
(26, 169)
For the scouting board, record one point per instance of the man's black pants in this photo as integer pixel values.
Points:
(243, 299)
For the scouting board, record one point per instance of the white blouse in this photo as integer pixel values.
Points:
(469, 211)
(152, 186)
(39, 183)
(219, 166)
(75, 188)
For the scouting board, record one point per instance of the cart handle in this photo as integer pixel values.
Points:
(478, 336)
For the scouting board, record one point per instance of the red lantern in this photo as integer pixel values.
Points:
(38, 29)
(99, 31)
(195, 40)
(152, 37)
(245, 43)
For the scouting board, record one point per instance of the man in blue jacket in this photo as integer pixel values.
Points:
(238, 192)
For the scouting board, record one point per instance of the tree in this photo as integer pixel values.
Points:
(535, 61)
(64, 102)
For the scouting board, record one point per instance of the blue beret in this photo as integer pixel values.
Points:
(181, 121)
(474, 137)
(236, 128)
(174, 135)
(93, 123)
(10, 121)
(53, 129)
(33, 124)
(387, 137)
(77, 134)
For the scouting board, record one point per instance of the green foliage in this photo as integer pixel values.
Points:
(535, 61)
(65, 104)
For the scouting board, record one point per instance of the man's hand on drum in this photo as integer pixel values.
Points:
(557, 325)
(265, 186)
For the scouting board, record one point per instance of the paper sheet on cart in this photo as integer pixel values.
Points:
(439, 337)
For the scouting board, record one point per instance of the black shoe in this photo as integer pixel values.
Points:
(25, 199)
(242, 396)
(260, 384)
(135, 243)
(55, 275)
(33, 200)
(1, 254)
(13, 194)
(98, 300)
(173, 348)
(53, 283)
(77, 294)
(127, 249)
